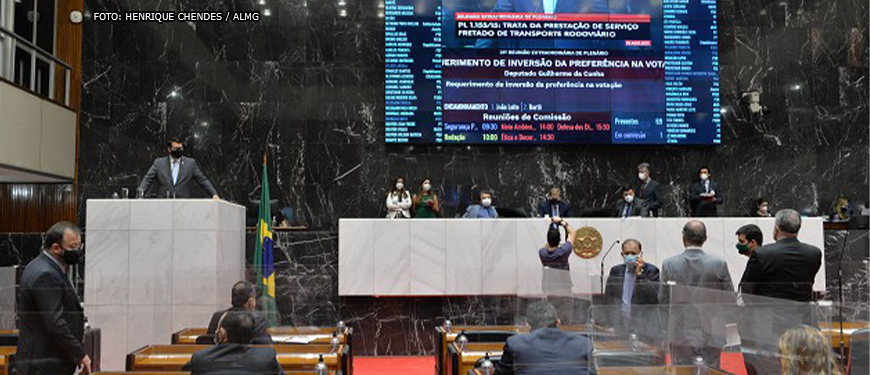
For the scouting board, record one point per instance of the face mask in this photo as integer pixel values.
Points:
(554, 199)
(486, 202)
(177, 152)
(763, 208)
(400, 186)
(704, 176)
(630, 259)
(427, 187)
(641, 176)
(71, 257)
(629, 198)
(743, 248)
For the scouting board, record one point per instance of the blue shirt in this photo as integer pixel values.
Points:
(479, 212)
(557, 259)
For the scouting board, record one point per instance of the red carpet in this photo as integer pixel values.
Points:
(731, 362)
(393, 365)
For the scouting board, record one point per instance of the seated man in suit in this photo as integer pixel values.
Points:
(629, 205)
(554, 206)
(634, 283)
(233, 355)
(244, 298)
(546, 349)
(172, 175)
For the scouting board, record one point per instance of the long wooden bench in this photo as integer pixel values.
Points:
(307, 335)
(5, 353)
(291, 357)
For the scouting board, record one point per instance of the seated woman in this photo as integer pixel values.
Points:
(804, 350)
(425, 202)
(762, 208)
(398, 200)
(484, 210)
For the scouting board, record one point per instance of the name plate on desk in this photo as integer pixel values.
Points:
(444, 257)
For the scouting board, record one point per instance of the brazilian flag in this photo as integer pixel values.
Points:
(264, 260)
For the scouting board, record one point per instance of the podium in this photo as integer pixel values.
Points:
(153, 267)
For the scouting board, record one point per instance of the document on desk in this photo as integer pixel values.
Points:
(300, 340)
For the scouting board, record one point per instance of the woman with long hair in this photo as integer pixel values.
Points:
(804, 350)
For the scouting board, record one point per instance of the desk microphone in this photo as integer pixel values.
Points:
(601, 276)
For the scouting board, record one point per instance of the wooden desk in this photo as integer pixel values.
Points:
(316, 335)
(291, 357)
(657, 370)
(5, 352)
(461, 362)
(832, 330)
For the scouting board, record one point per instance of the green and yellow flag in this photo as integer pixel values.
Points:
(264, 261)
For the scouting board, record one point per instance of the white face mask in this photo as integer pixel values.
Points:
(704, 176)
(427, 187)
(641, 176)
(485, 202)
(763, 208)
(400, 186)
(629, 198)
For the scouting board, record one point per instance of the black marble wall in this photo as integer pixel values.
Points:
(307, 84)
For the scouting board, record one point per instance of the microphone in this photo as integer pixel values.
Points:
(601, 275)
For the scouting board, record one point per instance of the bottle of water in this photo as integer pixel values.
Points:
(335, 342)
(700, 366)
(320, 368)
(486, 367)
(448, 325)
(462, 341)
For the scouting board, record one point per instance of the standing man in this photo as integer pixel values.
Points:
(648, 190)
(704, 195)
(173, 174)
(777, 286)
(51, 321)
(554, 206)
(696, 322)
(630, 285)
(749, 238)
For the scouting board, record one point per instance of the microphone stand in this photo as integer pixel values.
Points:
(601, 275)
(840, 292)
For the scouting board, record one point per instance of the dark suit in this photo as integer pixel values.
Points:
(546, 208)
(160, 174)
(638, 208)
(699, 305)
(261, 336)
(651, 195)
(546, 351)
(776, 287)
(644, 312)
(701, 207)
(234, 359)
(50, 321)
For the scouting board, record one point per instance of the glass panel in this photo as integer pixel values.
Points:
(22, 67)
(45, 25)
(23, 22)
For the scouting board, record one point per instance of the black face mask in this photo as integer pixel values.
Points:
(72, 257)
(177, 153)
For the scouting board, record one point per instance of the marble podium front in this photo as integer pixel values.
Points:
(449, 257)
(154, 267)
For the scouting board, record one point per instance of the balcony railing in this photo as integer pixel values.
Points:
(15, 51)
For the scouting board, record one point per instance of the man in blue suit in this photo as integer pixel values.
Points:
(546, 350)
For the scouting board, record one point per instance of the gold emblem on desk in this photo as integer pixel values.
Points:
(588, 243)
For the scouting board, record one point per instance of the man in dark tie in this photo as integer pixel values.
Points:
(554, 206)
(233, 355)
(173, 174)
(777, 287)
(633, 285)
(648, 190)
(698, 289)
(50, 317)
(244, 298)
(629, 205)
(704, 195)
(545, 350)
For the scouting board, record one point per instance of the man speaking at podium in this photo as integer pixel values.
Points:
(173, 174)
